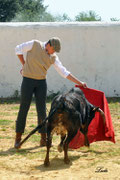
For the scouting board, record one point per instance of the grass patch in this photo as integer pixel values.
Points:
(5, 122)
(32, 126)
(35, 138)
(4, 114)
(3, 129)
(15, 107)
(5, 137)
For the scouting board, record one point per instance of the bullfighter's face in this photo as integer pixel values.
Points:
(49, 49)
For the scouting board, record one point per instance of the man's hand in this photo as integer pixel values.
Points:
(21, 71)
(84, 85)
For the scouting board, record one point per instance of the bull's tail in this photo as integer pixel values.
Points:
(38, 127)
(33, 131)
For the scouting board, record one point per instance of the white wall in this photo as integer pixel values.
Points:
(91, 51)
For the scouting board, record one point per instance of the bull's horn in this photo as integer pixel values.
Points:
(102, 114)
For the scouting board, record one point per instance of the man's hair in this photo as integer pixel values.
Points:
(55, 43)
(49, 42)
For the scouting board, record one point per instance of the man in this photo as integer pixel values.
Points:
(40, 56)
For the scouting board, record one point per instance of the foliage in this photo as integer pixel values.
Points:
(88, 16)
(114, 19)
(8, 9)
(46, 17)
(22, 10)
(30, 10)
(35, 11)
(62, 18)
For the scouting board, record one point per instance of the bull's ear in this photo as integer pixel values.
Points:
(95, 109)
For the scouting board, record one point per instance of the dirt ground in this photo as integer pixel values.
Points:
(100, 162)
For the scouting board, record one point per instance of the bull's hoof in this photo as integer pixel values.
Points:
(46, 163)
(67, 161)
(87, 144)
(60, 148)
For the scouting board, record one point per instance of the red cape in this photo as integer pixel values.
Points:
(97, 131)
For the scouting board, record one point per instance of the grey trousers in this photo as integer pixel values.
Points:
(28, 88)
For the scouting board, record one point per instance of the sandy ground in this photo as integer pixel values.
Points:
(100, 162)
(27, 164)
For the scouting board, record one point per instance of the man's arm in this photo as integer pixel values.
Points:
(21, 58)
(66, 74)
(22, 48)
(75, 80)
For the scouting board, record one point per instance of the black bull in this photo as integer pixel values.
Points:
(68, 114)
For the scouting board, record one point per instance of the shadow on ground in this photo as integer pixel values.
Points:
(57, 164)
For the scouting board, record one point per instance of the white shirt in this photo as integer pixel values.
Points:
(27, 46)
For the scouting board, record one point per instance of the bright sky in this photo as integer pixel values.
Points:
(106, 9)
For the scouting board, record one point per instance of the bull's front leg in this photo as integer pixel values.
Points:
(49, 141)
(86, 142)
(84, 130)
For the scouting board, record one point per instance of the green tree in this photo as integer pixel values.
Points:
(114, 19)
(30, 10)
(87, 16)
(34, 11)
(47, 17)
(8, 9)
(62, 18)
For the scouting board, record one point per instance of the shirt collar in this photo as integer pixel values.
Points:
(44, 44)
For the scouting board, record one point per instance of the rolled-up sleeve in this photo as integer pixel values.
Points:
(60, 68)
(24, 47)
